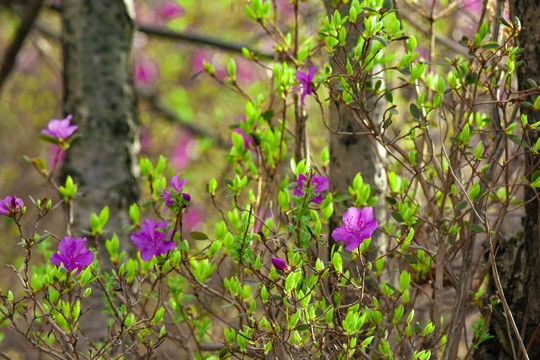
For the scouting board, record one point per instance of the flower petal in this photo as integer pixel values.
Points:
(342, 234)
(56, 259)
(352, 216)
(322, 183)
(66, 244)
(368, 229)
(311, 73)
(85, 259)
(302, 76)
(366, 214)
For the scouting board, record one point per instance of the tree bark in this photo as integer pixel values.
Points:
(518, 258)
(352, 154)
(99, 93)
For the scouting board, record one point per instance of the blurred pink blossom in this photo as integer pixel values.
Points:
(145, 72)
(473, 6)
(246, 70)
(201, 55)
(169, 10)
(182, 152)
(144, 139)
(193, 217)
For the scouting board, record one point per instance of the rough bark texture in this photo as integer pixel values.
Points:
(518, 258)
(99, 93)
(97, 38)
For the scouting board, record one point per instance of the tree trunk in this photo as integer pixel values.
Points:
(97, 37)
(352, 154)
(99, 93)
(518, 258)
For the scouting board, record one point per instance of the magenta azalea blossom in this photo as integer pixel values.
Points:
(60, 129)
(153, 239)
(173, 195)
(170, 10)
(356, 226)
(304, 83)
(321, 184)
(11, 206)
(72, 254)
(280, 264)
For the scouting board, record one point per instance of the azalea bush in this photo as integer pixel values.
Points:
(267, 281)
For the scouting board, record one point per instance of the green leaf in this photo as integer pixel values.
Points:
(301, 327)
(104, 216)
(387, 4)
(337, 261)
(478, 150)
(197, 235)
(397, 216)
(476, 228)
(382, 40)
(404, 280)
(475, 191)
(415, 111)
(461, 205)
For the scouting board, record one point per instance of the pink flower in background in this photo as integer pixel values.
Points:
(56, 156)
(258, 223)
(201, 55)
(145, 72)
(170, 10)
(423, 53)
(145, 139)
(72, 254)
(193, 217)
(152, 240)
(280, 264)
(182, 152)
(11, 206)
(285, 7)
(246, 71)
(473, 6)
(356, 226)
(321, 184)
(304, 83)
(60, 129)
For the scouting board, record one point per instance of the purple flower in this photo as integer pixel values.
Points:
(145, 72)
(175, 196)
(356, 226)
(304, 80)
(321, 184)
(153, 239)
(280, 264)
(60, 129)
(170, 10)
(11, 206)
(72, 254)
